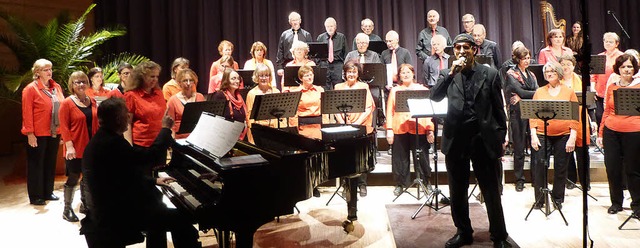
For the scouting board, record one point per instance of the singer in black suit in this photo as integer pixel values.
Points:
(123, 200)
(474, 130)
(283, 56)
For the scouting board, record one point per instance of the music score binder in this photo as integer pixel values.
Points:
(374, 74)
(193, 110)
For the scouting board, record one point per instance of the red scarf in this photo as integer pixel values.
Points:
(236, 102)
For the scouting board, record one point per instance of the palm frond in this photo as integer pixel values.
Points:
(111, 62)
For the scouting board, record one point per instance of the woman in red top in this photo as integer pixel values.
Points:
(78, 123)
(236, 109)
(610, 41)
(146, 105)
(560, 137)
(401, 131)
(97, 90)
(620, 135)
(175, 106)
(40, 107)
(225, 48)
(555, 47)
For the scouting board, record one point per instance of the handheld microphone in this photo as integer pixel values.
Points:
(458, 64)
(609, 12)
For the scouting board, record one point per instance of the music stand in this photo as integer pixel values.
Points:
(247, 78)
(278, 105)
(627, 102)
(193, 110)
(546, 110)
(318, 50)
(291, 76)
(377, 46)
(484, 60)
(343, 102)
(536, 69)
(597, 64)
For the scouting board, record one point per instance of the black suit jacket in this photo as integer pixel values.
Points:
(120, 190)
(488, 106)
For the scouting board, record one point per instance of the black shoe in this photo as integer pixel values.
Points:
(38, 202)
(538, 205)
(398, 190)
(570, 186)
(389, 152)
(316, 192)
(459, 240)
(558, 205)
(445, 201)
(519, 186)
(69, 215)
(501, 244)
(52, 197)
(614, 209)
(363, 190)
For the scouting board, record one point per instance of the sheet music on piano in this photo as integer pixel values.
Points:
(214, 135)
(427, 108)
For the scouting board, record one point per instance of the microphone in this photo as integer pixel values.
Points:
(457, 65)
(609, 12)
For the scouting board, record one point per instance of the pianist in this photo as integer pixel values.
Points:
(124, 201)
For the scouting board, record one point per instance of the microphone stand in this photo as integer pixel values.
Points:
(619, 24)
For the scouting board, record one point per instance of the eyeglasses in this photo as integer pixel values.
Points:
(462, 47)
(389, 41)
(47, 69)
(125, 73)
(264, 76)
(549, 72)
(188, 80)
(79, 82)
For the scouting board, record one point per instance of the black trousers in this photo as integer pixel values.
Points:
(334, 73)
(582, 166)
(622, 157)
(466, 148)
(403, 144)
(599, 110)
(41, 167)
(156, 224)
(555, 145)
(518, 128)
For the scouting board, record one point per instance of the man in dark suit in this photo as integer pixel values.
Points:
(436, 62)
(283, 56)
(474, 130)
(486, 47)
(335, 60)
(123, 199)
(402, 55)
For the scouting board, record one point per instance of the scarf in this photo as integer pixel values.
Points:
(55, 103)
(235, 102)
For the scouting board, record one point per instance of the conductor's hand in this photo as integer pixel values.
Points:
(430, 137)
(535, 142)
(164, 181)
(599, 142)
(390, 136)
(167, 122)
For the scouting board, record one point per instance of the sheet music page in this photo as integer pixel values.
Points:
(215, 134)
(390, 72)
(420, 107)
(339, 129)
(440, 108)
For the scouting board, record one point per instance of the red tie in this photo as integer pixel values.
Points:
(394, 65)
(441, 63)
(330, 59)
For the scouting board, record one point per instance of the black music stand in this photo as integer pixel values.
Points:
(627, 103)
(291, 76)
(193, 110)
(597, 64)
(278, 105)
(590, 100)
(375, 75)
(546, 110)
(247, 78)
(318, 50)
(342, 102)
(377, 46)
(483, 59)
(536, 69)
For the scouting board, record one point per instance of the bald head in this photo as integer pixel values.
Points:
(367, 26)
(362, 42)
(330, 25)
(478, 33)
(392, 38)
(433, 17)
(295, 20)
(467, 22)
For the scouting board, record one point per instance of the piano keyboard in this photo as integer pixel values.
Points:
(179, 191)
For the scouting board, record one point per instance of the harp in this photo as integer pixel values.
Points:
(549, 19)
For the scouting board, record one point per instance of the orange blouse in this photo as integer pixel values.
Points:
(115, 93)
(618, 123)
(214, 67)
(556, 127)
(600, 80)
(37, 107)
(92, 93)
(73, 125)
(309, 105)
(170, 88)
(175, 108)
(576, 85)
(147, 110)
(401, 122)
(369, 105)
(251, 96)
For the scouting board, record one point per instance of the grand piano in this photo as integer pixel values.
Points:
(264, 178)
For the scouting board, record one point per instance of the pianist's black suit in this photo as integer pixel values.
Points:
(474, 129)
(124, 200)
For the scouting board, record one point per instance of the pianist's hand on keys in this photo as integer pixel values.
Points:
(164, 181)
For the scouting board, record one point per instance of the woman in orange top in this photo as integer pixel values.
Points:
(610, 41)
(262, 76)
(145, 103)
(309, 106)
(40, 107)
(573, 81)
(560, 137)
(620, 135)
(78, 123)
(175, 106)
(401, 130)
(236, 109)
(97, 84)
(225, 48)
(173, 87)
(299, 50)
